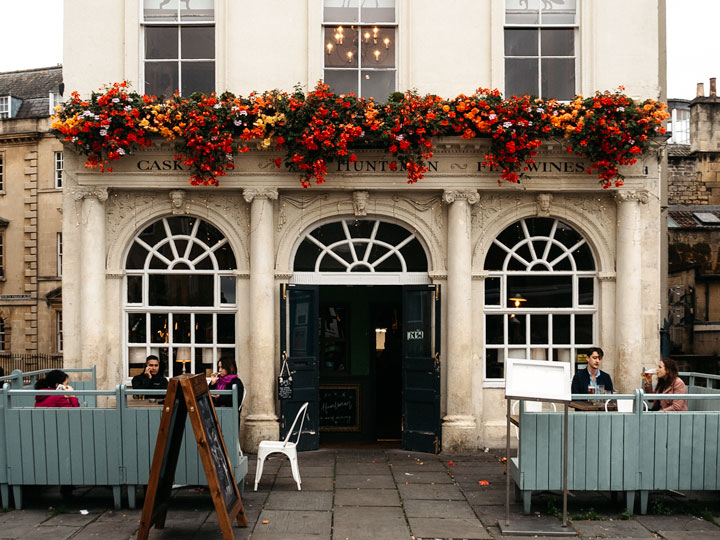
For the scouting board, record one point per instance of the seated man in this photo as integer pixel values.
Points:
(592, 376)
(151, 378)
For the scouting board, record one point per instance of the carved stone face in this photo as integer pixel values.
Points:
(543, 201)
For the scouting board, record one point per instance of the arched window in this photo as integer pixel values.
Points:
(361, 251)
(540, 295)
(180, 293)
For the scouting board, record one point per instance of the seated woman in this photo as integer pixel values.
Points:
(225, 380)
(668, 383)
(55, 380)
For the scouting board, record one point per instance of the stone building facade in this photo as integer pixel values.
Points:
(381, 293)
(31, 168)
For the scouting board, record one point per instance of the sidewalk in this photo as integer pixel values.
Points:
(365, 494)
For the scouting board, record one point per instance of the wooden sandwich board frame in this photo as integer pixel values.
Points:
(190, 394)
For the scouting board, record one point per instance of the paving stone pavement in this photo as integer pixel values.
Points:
(366, 494)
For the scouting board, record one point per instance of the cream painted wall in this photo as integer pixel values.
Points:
(278, 43)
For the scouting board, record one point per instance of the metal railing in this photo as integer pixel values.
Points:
(29, 362)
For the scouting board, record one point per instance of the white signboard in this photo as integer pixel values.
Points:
(537, 379)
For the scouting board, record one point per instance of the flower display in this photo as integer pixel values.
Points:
(609, 129)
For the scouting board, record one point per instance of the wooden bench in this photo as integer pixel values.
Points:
(95, 446)
(619, 452)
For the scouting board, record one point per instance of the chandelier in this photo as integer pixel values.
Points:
(373, 45)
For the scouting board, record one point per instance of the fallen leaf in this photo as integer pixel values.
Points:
(483, 482)
(266, 521)
(451, 463)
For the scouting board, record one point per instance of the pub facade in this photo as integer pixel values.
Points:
(395, 305)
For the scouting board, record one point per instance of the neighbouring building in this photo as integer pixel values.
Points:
(397, 304)
(31, 182)
(694, 231)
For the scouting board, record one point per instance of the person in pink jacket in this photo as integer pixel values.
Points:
(668, 383)
(55, 380)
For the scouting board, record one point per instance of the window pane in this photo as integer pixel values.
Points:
(198, 77)
(199, 10)
(342, 82)
(539, 329)
(522, 18)
(161, 42)
(546, 291)
(203, 328)
(584, 258)
(159, 327)
(226, 329)
(494, 333)
(586, 291)
(378, 11)
(341, 47)
(521, 76)
(160, 10)
(495, 258)
(561, 329)
(494, 364)
(492, 291)
(516, 330)
(378, 84)
(161, 78)
(204, 362)
(198, 42)
(225, 258)
(558, 78)
(181, 290)
(521, 42)
(558, 42)
(583, 329)
(134, 289)
(181, 328)
(341, 10)
(378, 48)
(415, 257)
(549, 17)
(136, 328)
(227, 289)
(305, 257)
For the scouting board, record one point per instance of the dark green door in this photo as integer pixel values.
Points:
(421, 368)
(299, 340)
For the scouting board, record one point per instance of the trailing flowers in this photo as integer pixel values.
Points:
(609, 129)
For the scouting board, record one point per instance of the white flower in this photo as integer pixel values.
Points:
(237, 122)
(540, 110)
(87, 113)
(217, 106)
(507, 124)
(103, 132)
(492, 116)
(243, 113)
(400, 137)
(115, 100)
(127, 108)
(621, 109)
(229, 157)
(121, 151)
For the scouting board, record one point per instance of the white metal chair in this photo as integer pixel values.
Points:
(625, 405)
(286, 447)
(530, 406)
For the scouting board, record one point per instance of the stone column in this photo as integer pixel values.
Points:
(261, 422)
(459, 427)
(630, 355)
(93, 349)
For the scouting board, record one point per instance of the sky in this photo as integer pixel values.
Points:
(693, 44)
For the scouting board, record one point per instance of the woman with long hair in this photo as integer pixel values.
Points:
(55, 380)
(225, 379)
(668, 383)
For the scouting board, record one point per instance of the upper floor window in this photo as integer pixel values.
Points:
(54, 99)
(59, 331)
(540, 48)
(2, 177)
(179, 46)
(5, 107)
(360, 47)
(679, 126)
(58, 170)
(59, 253)
(2, 254)
(3, 335)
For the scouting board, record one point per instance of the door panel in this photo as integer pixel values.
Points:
(299, 338)
(421, 368)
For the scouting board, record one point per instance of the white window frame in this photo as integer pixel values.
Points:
(5, 107)
(59, 253)
(2, 256)
(144, 24)
(59, 331)
(531, 350)
(2, 173)
(54, 99)
(218, 307)
(360, 258)
(59, 167)
(541, 26)
(362, 28)
(3, 335)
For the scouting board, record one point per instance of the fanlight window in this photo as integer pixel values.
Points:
(180, 296)
(374, 248)
(540, 295)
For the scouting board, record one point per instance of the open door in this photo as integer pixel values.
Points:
(299, 340)
(421, 368)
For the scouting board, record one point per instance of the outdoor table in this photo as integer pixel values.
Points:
(594, 405)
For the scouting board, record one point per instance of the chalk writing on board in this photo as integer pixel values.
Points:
(340, 408)
(216, 449)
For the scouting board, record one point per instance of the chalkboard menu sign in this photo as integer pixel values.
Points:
(189, 394)
(340, 407)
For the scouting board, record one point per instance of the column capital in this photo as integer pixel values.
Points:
(631, 195)
(250, 194)
(99, 192)
(471, 196)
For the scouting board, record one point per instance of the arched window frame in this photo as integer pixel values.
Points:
(579, 306)
(205, 352)
(360, 258)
